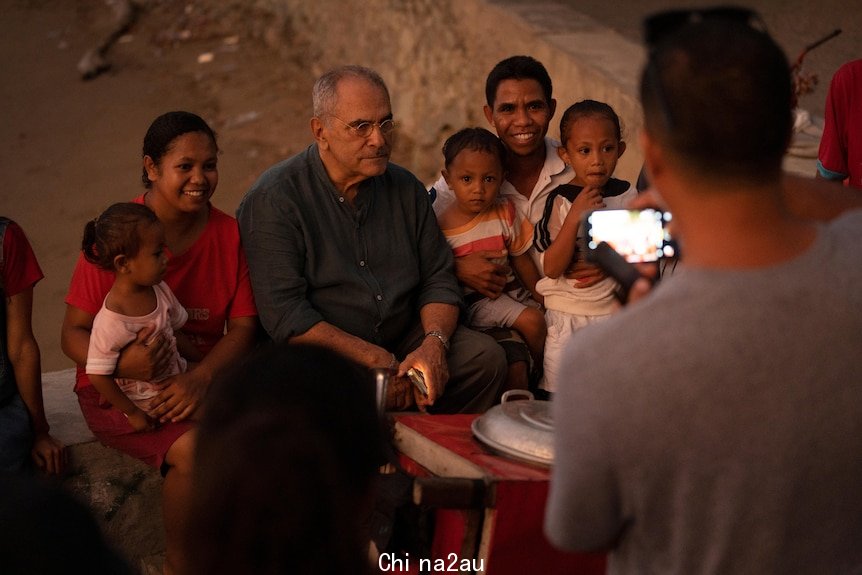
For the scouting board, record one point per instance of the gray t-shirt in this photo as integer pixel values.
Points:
(716, 427)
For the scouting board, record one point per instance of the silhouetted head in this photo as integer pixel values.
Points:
(288, 448)
(717, 92)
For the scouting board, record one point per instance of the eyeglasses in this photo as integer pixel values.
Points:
(662, 24)
(365, 129)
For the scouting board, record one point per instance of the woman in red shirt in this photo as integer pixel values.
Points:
(207, 272)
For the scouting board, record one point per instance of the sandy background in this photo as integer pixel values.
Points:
(69, 148)
(793, 23)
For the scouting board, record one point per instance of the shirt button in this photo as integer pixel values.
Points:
(362, 263)
(341, 199)
(379, 297)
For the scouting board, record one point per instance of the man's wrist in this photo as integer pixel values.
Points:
(439, 335)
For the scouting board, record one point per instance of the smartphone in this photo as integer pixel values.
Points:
(418, 379)
(637, 235)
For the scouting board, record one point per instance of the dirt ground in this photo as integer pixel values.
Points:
(69, 148)
(794, 24)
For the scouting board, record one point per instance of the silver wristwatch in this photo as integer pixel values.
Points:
(439, 335)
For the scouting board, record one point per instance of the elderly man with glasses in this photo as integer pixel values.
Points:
(344, 252)
(725, 435)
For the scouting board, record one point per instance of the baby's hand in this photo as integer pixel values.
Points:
(140, 421)
(590, 198)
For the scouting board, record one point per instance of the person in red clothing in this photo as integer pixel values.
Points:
(840, 156)
(207, 272)
(24, 433)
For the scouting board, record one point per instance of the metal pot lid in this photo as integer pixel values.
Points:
(519, 428)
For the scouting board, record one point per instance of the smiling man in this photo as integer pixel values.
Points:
(520, 106)
(344, 252)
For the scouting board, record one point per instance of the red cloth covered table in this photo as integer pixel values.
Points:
(507, 539)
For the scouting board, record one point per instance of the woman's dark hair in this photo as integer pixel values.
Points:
(288, 448)
(586, 108)
(167, 128)
(115, 232)
(476, 139)
(517, 68)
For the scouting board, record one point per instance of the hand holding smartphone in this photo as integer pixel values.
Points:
(615, 239)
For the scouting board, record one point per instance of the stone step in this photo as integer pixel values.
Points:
(123, 493)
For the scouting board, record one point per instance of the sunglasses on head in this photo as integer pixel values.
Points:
(661, 24)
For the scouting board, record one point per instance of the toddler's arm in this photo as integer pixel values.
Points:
(109, 389)
(559, 255)
(526, 271)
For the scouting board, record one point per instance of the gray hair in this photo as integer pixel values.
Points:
(324, 93)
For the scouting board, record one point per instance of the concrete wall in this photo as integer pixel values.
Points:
(435, 56)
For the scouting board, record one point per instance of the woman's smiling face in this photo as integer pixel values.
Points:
(186, 175)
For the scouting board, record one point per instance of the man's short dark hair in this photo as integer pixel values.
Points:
(517, 68)
(718, 94)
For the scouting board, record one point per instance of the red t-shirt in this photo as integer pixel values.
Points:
(841, 143)
(210, 280)
(19, 268)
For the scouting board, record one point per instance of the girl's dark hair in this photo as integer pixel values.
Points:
(167, 128)
(586, 108)
(476, 139)
(115, 232)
